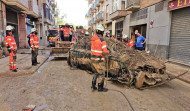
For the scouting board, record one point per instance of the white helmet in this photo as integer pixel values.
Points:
(33, 30)
(9, 27)
(86, 33)
(124, 36)
(100, 27)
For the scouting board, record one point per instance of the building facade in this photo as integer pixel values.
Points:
(24, 15)
(164, 23)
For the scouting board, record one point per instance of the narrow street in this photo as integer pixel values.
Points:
(61, 88)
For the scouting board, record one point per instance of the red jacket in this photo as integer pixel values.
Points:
(34, 41)
(98, 46)
(10, 41)
(131, 43)
(66, 31)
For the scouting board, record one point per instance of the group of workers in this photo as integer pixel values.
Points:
(12, 47)
(99, 53)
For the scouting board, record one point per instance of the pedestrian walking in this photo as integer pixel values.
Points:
(98, 52)
(12, 48)
(34, 43)
(140, 42)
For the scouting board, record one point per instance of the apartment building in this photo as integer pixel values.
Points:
(24, 15)
(98, 13)
(165, 24)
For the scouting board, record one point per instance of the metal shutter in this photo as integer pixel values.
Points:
(179, 49)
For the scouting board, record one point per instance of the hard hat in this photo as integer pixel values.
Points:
(100, 27)
(9, 27)
(66, 24)
(124, 36)
(87, 33)
(33, 30)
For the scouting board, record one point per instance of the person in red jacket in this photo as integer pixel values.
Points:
(12, 48)
(130, 43)
(34, 44)
(98, 52)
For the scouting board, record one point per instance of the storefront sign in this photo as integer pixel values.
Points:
(176, 4)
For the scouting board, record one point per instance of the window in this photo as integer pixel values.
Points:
(122, 5)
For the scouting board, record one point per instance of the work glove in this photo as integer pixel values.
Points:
(30, 49)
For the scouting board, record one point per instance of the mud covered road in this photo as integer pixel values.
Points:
(63, 89)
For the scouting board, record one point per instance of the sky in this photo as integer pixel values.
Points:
(75, 11)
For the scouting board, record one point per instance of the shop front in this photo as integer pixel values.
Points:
(179, 50)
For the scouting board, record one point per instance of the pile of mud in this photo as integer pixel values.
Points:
(125, 64)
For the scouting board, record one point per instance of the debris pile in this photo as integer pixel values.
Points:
(126, 65)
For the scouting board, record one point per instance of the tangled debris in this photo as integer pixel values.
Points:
(126, 65)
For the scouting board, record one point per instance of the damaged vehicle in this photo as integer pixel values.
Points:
(124, 64)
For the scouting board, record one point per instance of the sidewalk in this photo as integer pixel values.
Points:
(176, 69)
(23, 63)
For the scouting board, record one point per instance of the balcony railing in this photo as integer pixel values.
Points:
(33, 8)
(132, 5)
(89, 22)
(97, 2)
(118, 14)
(93, 20)
(21, 5)
(100, 16)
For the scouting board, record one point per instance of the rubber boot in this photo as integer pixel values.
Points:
(15, 70)
(94, 82)
(34, 63)
(101, 87)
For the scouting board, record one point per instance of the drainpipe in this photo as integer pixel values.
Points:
(42, 12)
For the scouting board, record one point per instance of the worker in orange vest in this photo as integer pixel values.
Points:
(34, 44)
(66, 32)
(12, 48)
(98, 52)
(128, 41)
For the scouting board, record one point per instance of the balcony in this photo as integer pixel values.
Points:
(118, 14)
(90, 1)
(33, 8)
(100, 16)
(97, 2)
(47, 3)
(93, 20)
(21, 5)
(132, 5)
(89, 22)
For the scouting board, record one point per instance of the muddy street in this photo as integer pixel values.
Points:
(61, 88)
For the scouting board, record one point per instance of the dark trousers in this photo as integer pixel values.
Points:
(66, 38)
(140, 48)
(34, 55)
(71, 38)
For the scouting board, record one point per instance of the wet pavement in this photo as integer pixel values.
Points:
(61, 88)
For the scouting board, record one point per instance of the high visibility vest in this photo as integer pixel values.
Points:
(34, 42)
(98, 46)
(10, 41)
(131, 43)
